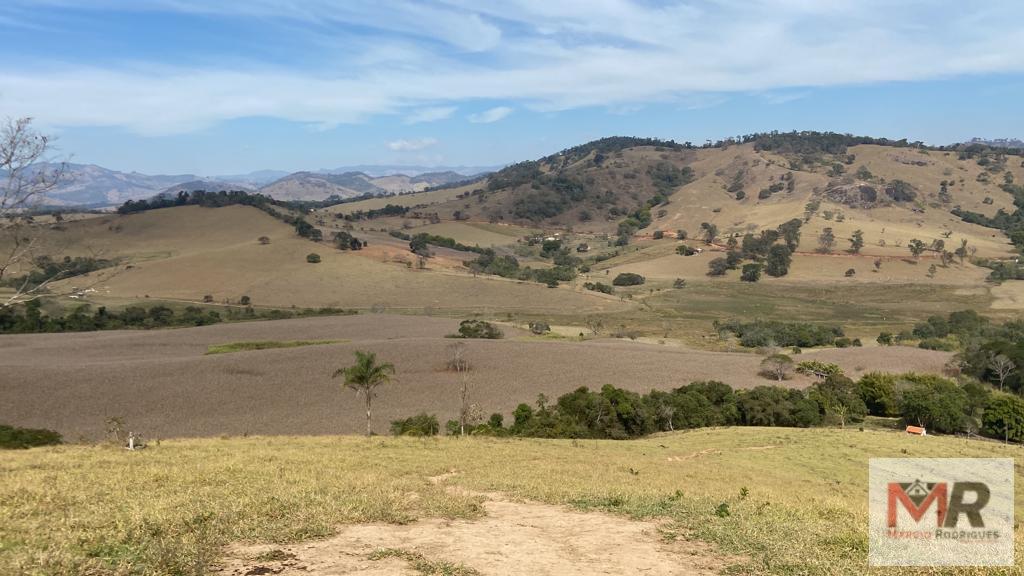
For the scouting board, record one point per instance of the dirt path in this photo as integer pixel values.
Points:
(514, 538)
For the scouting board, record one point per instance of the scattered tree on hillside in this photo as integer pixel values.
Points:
(364, 377)
(856, 241)
(777, 366)
(779, 259)
(313, 258)
(917, 247)
(264, 240)
(826, 241)
(710, 232)
(1002, 367)
(878, 264)
(718, 267)
(751, 272)
(961, 252)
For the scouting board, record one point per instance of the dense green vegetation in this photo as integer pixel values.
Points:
(30, 317)
(13, 438)
(478, 329)
(762, 333)
(47, 270)
(939, 404)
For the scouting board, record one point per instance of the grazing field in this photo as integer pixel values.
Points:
(163, 384)
(494, 506)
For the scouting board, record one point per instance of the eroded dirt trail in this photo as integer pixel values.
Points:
(514, 538)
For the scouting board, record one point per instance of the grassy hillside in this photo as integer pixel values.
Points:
(795, 500)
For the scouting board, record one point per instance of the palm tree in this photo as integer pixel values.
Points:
(364, 377)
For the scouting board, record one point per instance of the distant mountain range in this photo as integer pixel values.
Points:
(88, 185)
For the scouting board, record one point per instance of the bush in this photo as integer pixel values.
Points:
(599, 287)
(478, 329)
(685, 250)
(540, 328)
(935, 403)
(628, 279)
(313, 258)
(819, 369)
(751, 272)
(12, 438)
(762, 333)
(422, 424)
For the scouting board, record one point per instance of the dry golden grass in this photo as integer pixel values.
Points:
(171, 508)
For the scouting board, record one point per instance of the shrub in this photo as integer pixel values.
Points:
(628, 279)
(478, 329)
(13, 438)
(751, 272)
(599, 287)
(885, 339)
(263, 240)
(313, 258)
(718, 267)
(685, 250)
(539, 328)
(843, 342)
(658, 234)
(819, 369)
(422, 424)
(762, 333)
(839, 399)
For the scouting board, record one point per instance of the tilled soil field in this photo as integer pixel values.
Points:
(162, 385)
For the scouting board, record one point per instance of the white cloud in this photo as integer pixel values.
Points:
(488, 116)
(404, 145)
(422, 60)
(432, 114)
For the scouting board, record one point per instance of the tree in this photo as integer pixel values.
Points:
(264, 240)
(1004, 418)
(718, 267)
(710, 232)
(856, 241)
(364, 377)
(961, 252)
(826, 240)
(751, 272)
(779, 259)
(313, 258)
(778, 366)
(457, 363)
(1002, 366)
(628, 279)
(23, 186)
(917, 247)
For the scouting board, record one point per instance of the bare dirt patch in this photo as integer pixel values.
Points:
(513, 538)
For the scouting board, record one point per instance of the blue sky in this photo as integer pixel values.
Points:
(221, 87)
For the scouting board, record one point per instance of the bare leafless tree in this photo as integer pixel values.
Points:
(457, 363)
(27, 174)
(1002, 366)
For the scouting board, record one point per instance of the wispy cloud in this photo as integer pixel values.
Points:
(488, 116)
(411, 145)
(432, 114)
(423, 60)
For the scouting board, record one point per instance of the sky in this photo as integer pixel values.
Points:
(216, 87)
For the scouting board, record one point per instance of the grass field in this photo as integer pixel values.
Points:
(263, 345)
(796, 500)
